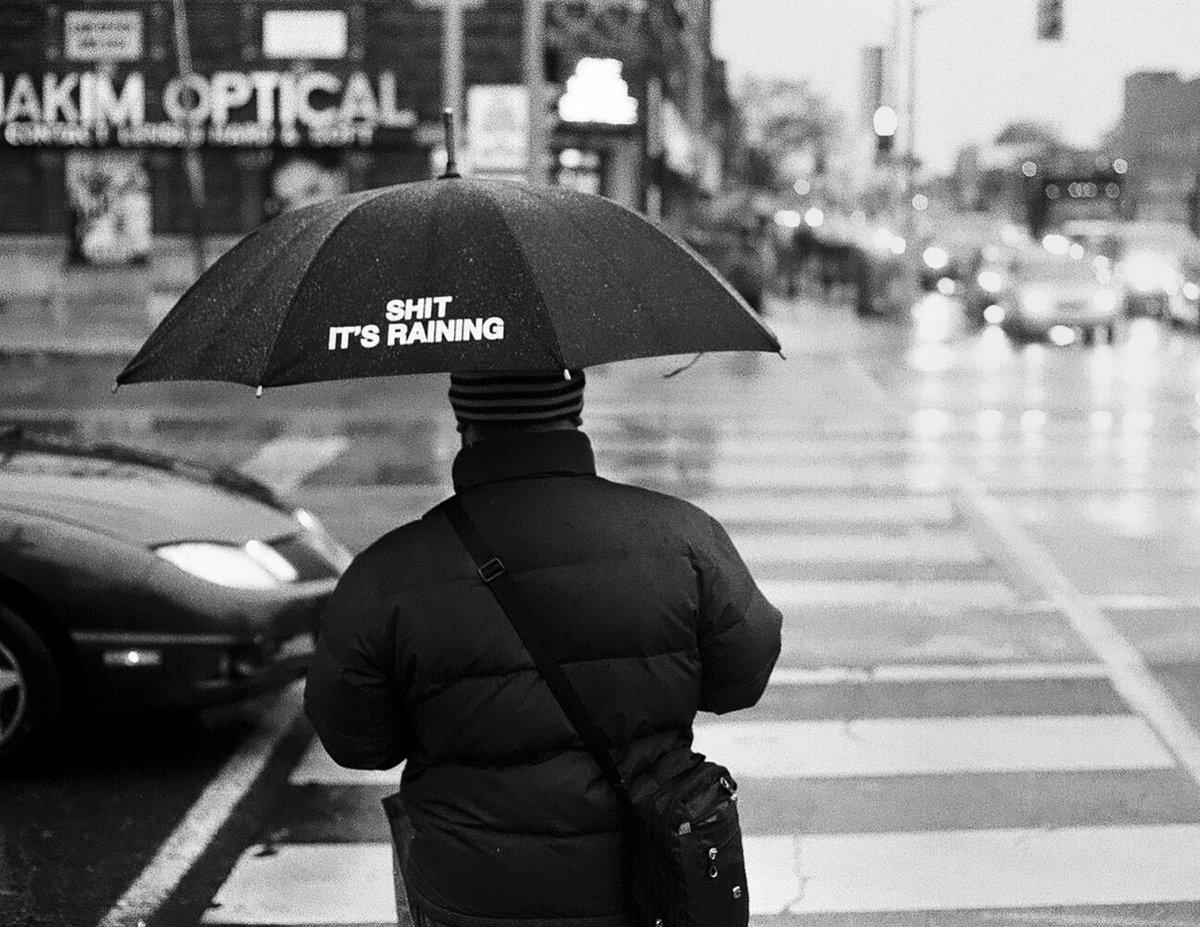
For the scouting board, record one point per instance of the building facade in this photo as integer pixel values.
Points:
(122, 120)
(1160, 140)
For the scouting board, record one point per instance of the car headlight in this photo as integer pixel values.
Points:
(1144, 272)
(253, 565)
(935, 258)
(333, 549)
(1104, 300)
(1036, 302)
(990, 281)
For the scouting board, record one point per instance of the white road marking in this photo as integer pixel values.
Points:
(1128, 672)
(997, 868)
(1131, 677)
(931, 746)
(316, 767)
(309, 884)
(329, 883)
(974, 594)
(935, 672)
(844, 509)
(193, 834)
(926, 547)
(783, 477)
(284, 462)
(877, 747)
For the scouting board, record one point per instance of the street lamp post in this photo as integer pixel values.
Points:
(533, 57)
(453, 40)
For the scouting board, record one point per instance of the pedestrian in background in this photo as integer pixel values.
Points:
(653, 617)
(747, 269)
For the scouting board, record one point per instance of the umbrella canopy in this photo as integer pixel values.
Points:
(445, 275)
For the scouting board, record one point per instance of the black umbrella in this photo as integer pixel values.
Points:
(445, 275)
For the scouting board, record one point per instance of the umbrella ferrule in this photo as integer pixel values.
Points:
(451, 171)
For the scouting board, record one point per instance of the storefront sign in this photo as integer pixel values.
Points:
(102, 35)
(236, 109)
(596, 93)
(498, 129)
(678, 150)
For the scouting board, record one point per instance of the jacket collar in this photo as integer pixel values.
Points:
(567, 453)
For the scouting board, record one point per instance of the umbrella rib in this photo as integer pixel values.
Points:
(629, 286)
(263, 271)
(604, 255)
(308, 270)
(557, 350)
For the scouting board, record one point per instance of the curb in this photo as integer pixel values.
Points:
(106, 348)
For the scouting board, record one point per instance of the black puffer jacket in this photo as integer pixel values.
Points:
(654, 615)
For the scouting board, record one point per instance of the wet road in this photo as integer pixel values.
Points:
(988, 697)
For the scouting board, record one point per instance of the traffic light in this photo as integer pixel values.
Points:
(1050, 20)
(884, 122)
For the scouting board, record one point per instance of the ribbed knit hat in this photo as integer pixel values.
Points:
(516, 398)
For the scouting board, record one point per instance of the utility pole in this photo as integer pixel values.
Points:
(533, 58)
(453, 55)
(453, 64)
(192, 166)
(910, 134)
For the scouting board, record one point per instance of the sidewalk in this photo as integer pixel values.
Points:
(46, 308)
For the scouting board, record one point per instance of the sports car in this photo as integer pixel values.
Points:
(134, 579)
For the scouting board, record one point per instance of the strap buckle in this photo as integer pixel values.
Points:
(491, 570)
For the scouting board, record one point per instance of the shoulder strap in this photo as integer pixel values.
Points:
(494, 575)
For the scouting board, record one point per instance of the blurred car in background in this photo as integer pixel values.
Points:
(1036, 293)
(1159, 263)
(949, 250)
(137, 580)
(986, 278)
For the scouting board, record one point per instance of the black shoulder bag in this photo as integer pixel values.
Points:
(684, 861)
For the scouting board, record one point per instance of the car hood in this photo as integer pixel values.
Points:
(144, 506)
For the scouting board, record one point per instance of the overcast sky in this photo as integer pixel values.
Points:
(980, 65)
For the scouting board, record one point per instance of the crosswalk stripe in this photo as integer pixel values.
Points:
(309, 884)
(775, 476)
(931, 746)
(963, 447)
(879, 747)
(930, 547)
(977, 594)
(993, 868)
(935, 672)
(840, 508)
(316, 767)
(293, 884)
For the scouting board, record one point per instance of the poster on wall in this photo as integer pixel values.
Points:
(298, 181)
(498, 130)
(108, 196)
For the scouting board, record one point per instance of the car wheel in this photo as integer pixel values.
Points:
(31, 690)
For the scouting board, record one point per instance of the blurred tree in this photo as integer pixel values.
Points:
(1028, 132)
(789, 129)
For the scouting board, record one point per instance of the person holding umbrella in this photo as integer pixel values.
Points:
(645, 607)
